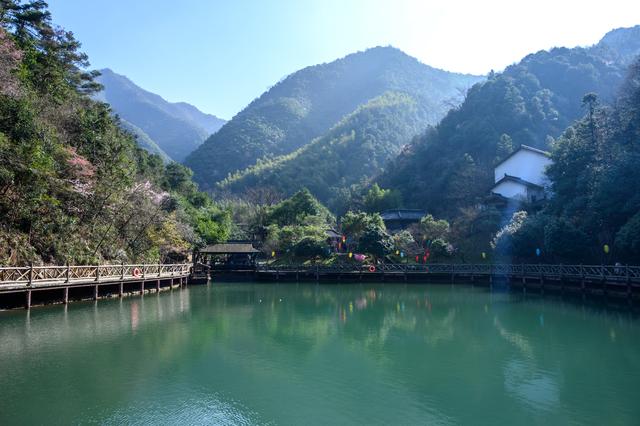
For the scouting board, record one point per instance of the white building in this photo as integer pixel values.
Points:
(521, 175)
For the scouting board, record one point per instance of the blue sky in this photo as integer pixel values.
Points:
(219, 55)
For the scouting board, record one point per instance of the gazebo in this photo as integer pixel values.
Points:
(228, 256)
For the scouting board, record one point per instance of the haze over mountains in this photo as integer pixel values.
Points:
(172, 130)
(308, 103)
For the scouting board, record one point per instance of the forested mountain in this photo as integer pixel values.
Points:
(532, 102)
(74, 187)
(595, 180)
(352, 151)
(308, 103)
(176, 129)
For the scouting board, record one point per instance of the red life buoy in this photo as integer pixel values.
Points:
(372, 268)
(136, 272)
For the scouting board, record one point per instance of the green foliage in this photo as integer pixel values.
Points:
(73, 185)
(296, 209)
(379, 200)
(309, 247)
(375, 241)
(296, 225)
(349, 154)
(627, 241)
(451, 166)
(355, 224)
(308, 103)
(404, 241)
(473, 230)
(433, 229)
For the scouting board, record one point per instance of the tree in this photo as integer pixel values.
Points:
(433, 229)
(627, 242)
(591, 101)
(294, 210)
(378, 199)
(354, 224)
(375, 241)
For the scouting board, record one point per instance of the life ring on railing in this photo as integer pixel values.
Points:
(372, 268)
(135, 272)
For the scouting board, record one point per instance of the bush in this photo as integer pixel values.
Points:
(310, 247)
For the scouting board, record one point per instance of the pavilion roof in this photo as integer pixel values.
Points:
(230, 248)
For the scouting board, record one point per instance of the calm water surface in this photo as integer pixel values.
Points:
(329, 354)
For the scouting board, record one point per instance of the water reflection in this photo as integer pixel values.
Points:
(303, 354)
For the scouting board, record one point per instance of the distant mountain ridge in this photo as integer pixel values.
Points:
(308, 103)
(172, 130)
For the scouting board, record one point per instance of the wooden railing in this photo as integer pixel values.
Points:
(621, 273)
(54, 275)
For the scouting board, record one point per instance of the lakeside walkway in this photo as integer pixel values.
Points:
(600, 280)
(86, 281)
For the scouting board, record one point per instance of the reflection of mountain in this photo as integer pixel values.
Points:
(289, 353)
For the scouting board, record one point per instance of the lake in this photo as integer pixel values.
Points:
(310, 354)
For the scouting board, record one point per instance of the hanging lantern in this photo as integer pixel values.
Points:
(538, 252)
(484, 255)
(273, 254)
(397, 252)
(606, 248)
(350, 255)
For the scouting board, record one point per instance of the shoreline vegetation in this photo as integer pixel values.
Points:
(76, 188)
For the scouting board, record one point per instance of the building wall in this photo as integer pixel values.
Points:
(511, 189)
(526, 165)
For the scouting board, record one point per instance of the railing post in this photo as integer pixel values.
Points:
(98, 273)
(68, 274)
(143, 271)
(122, 270)
(30, 278)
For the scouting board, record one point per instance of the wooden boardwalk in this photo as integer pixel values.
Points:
(105, 279)
(603, 280)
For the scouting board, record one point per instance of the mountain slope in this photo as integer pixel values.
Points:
(143, 140)
(356, 149)
(532, 102)
(176, 128)
(306, 104)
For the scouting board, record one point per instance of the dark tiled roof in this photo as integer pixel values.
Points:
(526, 148)
(403, 214)
(230, 248)
(510, 178)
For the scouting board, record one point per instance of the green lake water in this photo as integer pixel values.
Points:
(312, 354)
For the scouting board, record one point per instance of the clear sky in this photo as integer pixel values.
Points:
(219, 55)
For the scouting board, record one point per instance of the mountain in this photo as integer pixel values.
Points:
(354, 150)
(308, 103)
(532, 102)
(74, 187)
(175, 128)
(621, 45)
(144, 141)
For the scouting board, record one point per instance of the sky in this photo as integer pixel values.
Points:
(220, 55)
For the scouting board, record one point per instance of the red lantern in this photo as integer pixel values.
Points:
(425, 257)
(344, 239)
(417, 259)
